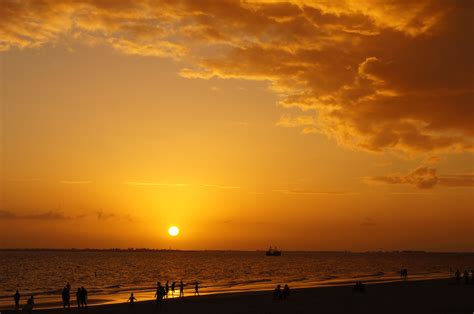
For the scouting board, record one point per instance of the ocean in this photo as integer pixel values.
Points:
(110, 276)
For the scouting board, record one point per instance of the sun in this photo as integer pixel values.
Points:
(173, 231)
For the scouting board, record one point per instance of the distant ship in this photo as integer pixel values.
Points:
(273, 252)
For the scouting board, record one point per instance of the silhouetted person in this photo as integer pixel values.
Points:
(132, 299)
(160, 293)
(29, 305)
(286, 291)
(277, 293)
(83, 297)
(66, 297)
(181, 289)
(16, 298)
(196, 288)
(172, 288)
(167, 288)
(404, 274)
(457, 274)
(68, 286)
(359, 287)
(466, 277)
(79, 297)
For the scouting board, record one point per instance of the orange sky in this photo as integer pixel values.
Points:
(311, 125)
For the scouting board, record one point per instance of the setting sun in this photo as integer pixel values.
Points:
(173, 231)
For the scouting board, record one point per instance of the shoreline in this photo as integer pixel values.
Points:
(429, 294)
(53, 300)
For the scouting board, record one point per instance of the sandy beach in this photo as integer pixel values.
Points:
(428, 296)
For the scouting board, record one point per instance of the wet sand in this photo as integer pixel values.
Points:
(429, 296)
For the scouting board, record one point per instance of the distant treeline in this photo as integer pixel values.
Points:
(176, 250)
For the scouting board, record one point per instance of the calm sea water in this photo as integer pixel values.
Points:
(110, 276)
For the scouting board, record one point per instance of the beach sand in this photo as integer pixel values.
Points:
(429, 296)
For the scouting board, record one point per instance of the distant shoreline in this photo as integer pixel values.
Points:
(178, 250)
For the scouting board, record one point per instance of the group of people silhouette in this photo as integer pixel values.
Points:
(466, 278)
(81, 296)
(280, 294)
(162, 292)
(359, 288)
(29, 303)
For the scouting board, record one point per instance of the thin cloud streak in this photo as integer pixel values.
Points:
(311, 192)
(24, 180)
(424, 178)
(49, 215)
(138, 183)
(75, 182)
(225, 187)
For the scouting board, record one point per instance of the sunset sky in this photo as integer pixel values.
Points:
(310, 125)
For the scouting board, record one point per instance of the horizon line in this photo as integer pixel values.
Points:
(227, 250)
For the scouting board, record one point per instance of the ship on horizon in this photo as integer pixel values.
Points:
(273, 252)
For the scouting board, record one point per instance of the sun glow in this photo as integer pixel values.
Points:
(173, 231)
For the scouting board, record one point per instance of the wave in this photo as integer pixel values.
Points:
(246, 282)
(112, 287)
(298, 279)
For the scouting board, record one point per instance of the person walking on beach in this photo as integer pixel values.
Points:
(172, 288)
(167, 289)
(458, 276)
(79, 297)
(16, 298)
(132, 299)
(66, 297)
(196, 289)
(181, 289)
(68, 286)
(83, 297)
(160, 293)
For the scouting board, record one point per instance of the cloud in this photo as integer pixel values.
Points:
(379, 75)
(139, 183)
(74, 182)
(312, 192)
(224, 187)
(104, 216)
(308, 123)
(23, 180)
(425, 178)
(49, 215)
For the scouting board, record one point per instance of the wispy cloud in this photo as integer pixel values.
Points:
(105, 216)
(49, 215)
(75, 182)
(312, 192)
(225, 187)
(140, 183)
(424, 178)
(23, 180)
